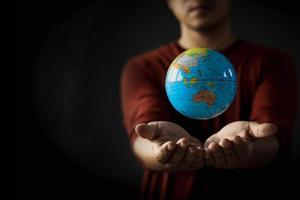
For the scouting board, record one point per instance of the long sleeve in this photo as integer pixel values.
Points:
(275, 100)
(142, 97)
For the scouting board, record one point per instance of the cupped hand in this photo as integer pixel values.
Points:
(231, 147)
(172, 145)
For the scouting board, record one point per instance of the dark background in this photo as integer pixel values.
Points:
(72, 143)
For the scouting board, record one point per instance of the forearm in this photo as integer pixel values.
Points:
(144, 151)
(263, 151)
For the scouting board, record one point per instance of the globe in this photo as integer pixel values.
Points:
(201, 83)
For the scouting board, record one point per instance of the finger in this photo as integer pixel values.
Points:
(190, 156)
(241, 147)
(198, 162)
(195, 141)
(218, 155)
(165, 151)
(231, 156)
(179, 153)
(148, 131)
(209, 158)
(211, 139)
(262, 130)
(246, 135)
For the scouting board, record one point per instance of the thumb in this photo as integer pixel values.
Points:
(148, 131)
(262, 130)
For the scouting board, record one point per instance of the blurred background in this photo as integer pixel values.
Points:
(72, 143)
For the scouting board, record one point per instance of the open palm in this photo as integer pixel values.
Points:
(172, 145)
(231, 146)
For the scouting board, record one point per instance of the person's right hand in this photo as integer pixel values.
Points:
(172, 146)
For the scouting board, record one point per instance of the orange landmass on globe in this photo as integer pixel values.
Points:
(205, 96)
(183, 67)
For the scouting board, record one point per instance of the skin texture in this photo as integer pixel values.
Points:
(167, 146)
(242, 144)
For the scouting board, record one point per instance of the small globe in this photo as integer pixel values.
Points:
(201, 83)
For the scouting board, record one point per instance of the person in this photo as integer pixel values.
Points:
(233, 153)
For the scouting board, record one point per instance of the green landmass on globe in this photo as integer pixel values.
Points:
(201, 83)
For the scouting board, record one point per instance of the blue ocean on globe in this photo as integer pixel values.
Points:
(201, 83)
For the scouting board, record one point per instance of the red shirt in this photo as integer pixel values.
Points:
(266, 93)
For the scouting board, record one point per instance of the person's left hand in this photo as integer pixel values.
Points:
(231, 146)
